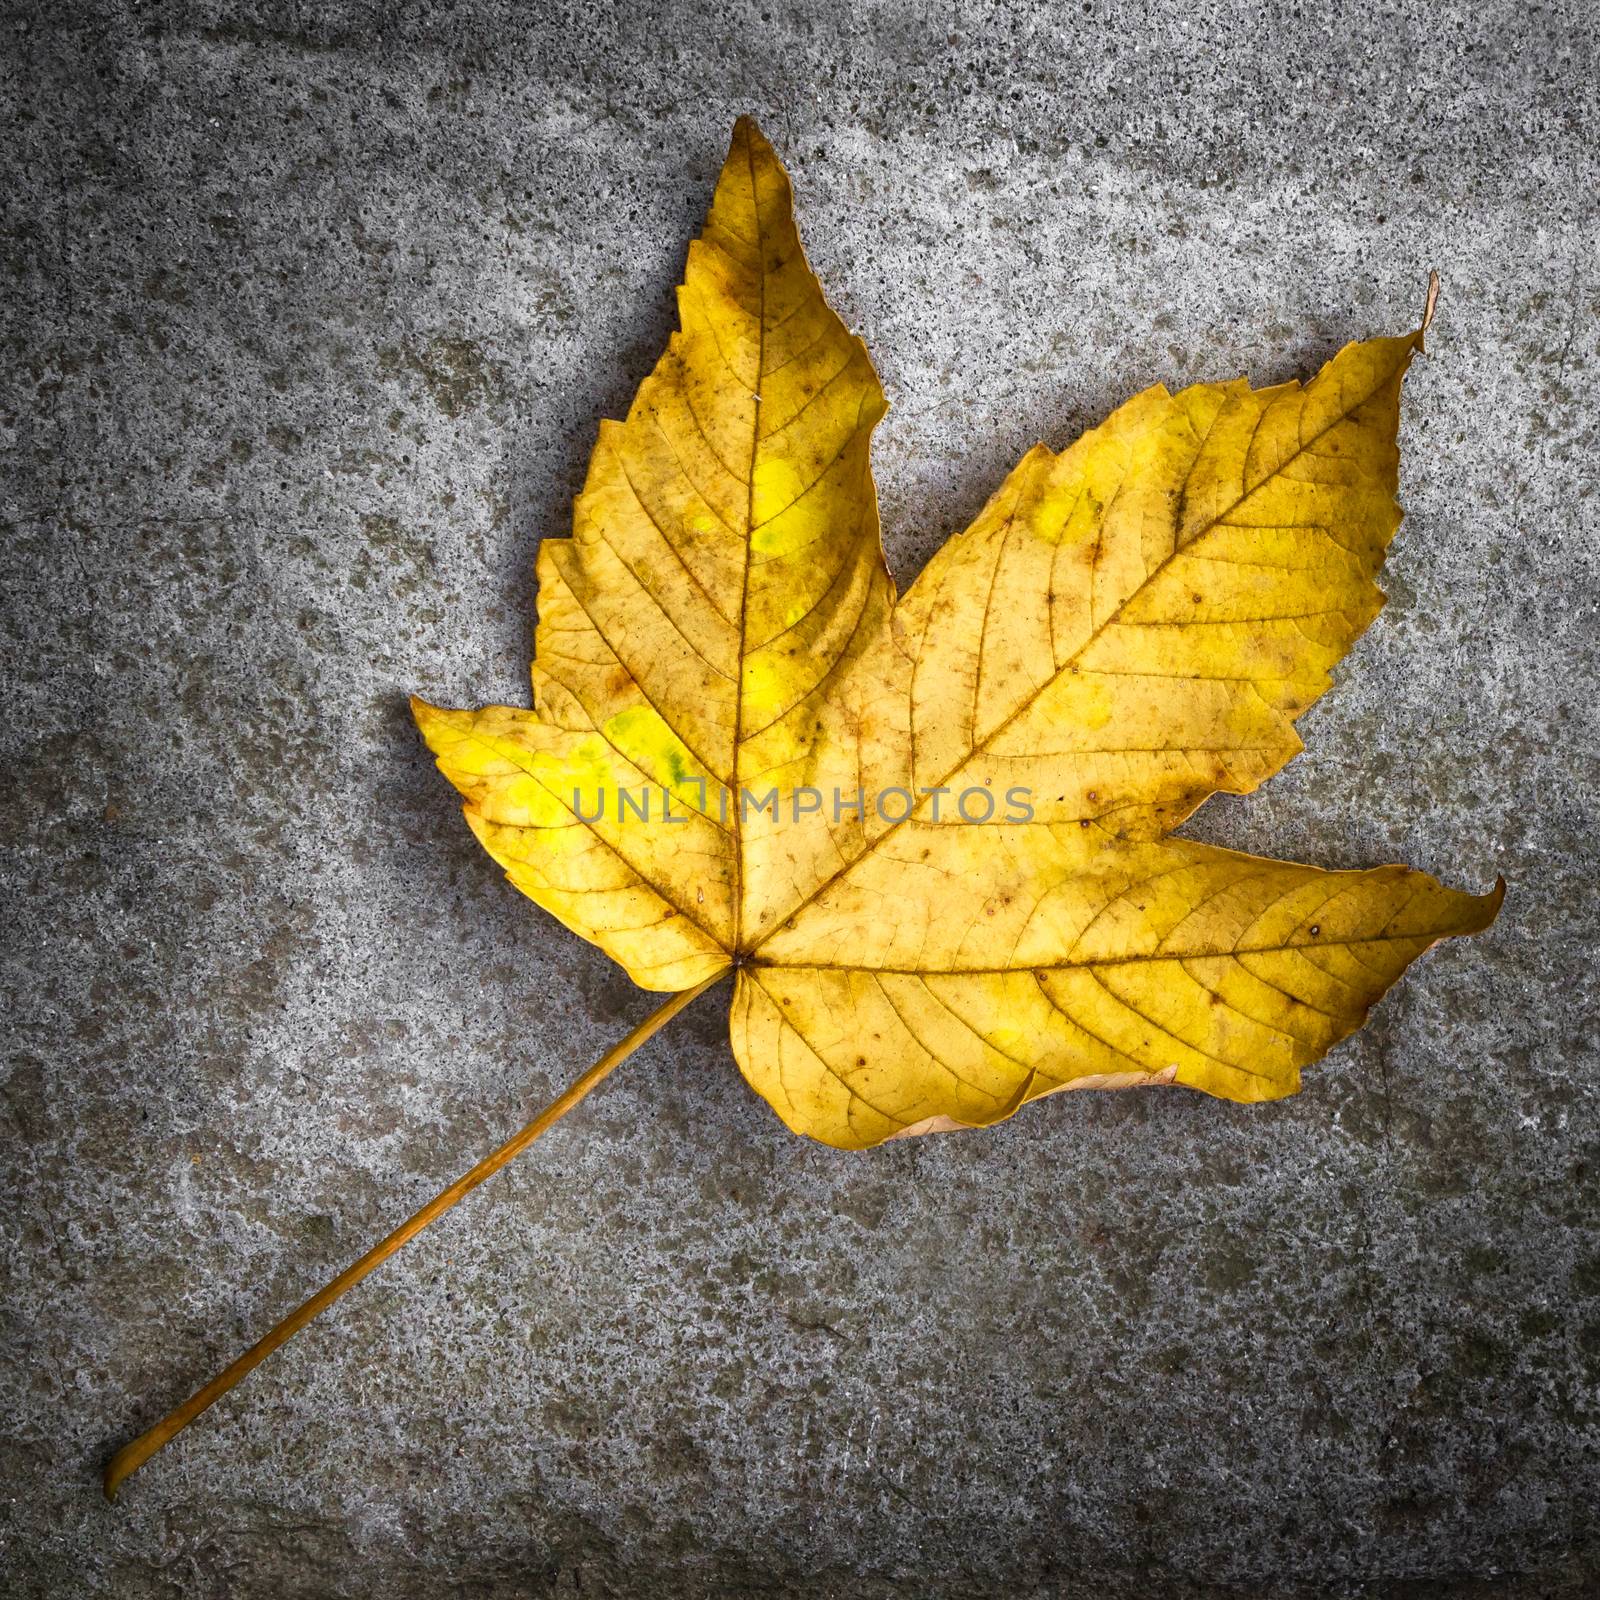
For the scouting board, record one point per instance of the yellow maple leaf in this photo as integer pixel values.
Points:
(932, 838)
(976, 901)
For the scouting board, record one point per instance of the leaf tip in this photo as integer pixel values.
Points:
(1480, 910)
(422, 713)
(1430, 305)
(747, 135)
(1495, 898)
(437, 725)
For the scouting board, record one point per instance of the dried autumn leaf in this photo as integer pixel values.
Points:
(1127, 628)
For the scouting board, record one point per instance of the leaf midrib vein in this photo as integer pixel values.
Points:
(749, 524)
(1074, 966)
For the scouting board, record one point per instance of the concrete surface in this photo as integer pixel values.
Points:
(309, 314)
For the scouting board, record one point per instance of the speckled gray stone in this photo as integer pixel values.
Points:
(309, 313)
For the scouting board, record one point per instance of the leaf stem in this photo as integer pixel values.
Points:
(133, 1456)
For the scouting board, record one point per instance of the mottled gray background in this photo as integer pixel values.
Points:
(309, 313)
